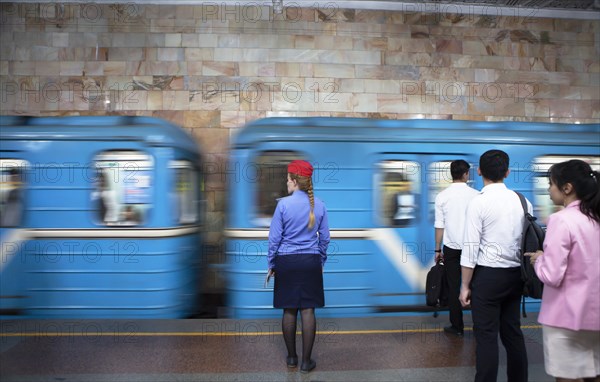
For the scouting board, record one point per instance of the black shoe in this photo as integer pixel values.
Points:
(453, 330)
(307, 367)
(292, 361)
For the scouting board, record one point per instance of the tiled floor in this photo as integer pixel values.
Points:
(352, 349)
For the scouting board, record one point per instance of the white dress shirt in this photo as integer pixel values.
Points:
(450, 211)
(493, 228)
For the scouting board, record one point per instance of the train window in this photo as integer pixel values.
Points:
(123, 187)
(271, 178)
(185, 192)
(439, 179)
(399, 186)
(542, 205)
(12, 181)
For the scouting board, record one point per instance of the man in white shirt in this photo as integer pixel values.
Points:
(491, 274)
(450, 209)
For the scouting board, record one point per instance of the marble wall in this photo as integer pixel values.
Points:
(212, 69)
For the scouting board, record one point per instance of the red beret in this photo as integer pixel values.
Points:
(300, 167)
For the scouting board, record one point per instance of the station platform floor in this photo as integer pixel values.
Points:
(383, 348)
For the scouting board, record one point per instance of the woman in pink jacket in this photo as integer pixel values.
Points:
(569, 267)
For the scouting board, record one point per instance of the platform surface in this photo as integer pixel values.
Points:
(385, 348)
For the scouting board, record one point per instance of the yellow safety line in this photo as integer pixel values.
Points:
(224, 334)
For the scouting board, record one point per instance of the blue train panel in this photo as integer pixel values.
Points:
(378, 179)
(101, 218)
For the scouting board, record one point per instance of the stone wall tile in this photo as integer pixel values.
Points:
(306, 70)
(562, 108)
(134, 100)
(170, 54)
(508, 107)
(71, 68)
(225, 41)
(382, 86)
(47, 68)
(453, 105)
(590, 92)
(214, 68)
(349, 85)
(539, 108)
(333, 42)
(165, 68)
(374, 64)
(328, 70)
(176, 100)
(200, 54)
(189, 40)
(154, 100)
(173, 40)
(204, 119)
(194, 68)
(391, 103)
(213, 140)
(591, 66)
(232, 120)
(303, 42)
(363, 102)
(155, 40)
(480, 106)
(21, 68)
(174, 116)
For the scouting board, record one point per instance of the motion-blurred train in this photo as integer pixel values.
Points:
(109, 209)
(101, 218)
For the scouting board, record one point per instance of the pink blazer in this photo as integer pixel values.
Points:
(570, 271)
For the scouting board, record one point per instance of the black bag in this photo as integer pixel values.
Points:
(531, 241)
(436, 290)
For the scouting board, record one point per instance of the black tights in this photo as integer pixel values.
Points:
(309, 331)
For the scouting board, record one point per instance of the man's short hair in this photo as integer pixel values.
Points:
(458, 168)
(493, 165)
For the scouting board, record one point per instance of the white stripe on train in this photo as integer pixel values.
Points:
(14, 237)
(400, 255)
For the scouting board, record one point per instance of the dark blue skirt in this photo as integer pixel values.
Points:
(298, 282)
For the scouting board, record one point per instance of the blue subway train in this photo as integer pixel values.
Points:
(378, 179)
(101, 218)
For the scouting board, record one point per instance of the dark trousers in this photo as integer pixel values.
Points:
(452, 266)
(495, 297)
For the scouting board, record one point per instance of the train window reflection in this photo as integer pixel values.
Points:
(185, 192)
(12, 181)
(271, 177)
(123, 187)
(543, 207)
(399, 187)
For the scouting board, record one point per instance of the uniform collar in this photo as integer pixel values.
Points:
(494, 186)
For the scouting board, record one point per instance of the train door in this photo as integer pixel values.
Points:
(438, 178)
(12, 233)
(397, 207)
(405, 188)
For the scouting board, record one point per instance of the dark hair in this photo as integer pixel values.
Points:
(493, 165)
(585, 182)
(458, 168)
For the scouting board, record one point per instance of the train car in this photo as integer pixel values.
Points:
(378, 179)
(101, 218)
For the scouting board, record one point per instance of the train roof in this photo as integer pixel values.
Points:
(155, 131)
(414, 130)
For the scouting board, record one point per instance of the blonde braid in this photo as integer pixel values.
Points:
(311, 198)
(305, 184)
